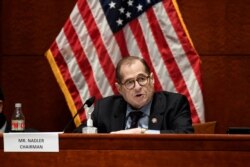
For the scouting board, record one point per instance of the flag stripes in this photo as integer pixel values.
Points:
(102, 54)
(143, 49)
(193, 81)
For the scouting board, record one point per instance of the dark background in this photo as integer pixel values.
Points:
(220, 30)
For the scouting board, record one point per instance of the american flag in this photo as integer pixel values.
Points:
(98, 33)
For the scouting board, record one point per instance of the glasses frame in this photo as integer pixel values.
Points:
(136, 80)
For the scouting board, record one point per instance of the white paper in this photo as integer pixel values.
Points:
(31, 142)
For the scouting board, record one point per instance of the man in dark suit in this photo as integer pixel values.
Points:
(156, 112)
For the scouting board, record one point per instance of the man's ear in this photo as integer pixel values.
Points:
(152, 78)
(118, 87)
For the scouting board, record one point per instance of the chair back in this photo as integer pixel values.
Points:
(205, 128)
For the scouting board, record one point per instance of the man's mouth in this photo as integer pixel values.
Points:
(138, 95)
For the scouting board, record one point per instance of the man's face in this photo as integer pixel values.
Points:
(138, 96)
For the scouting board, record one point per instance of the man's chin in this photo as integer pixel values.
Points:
(138, 106)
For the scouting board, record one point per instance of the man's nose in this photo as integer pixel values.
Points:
(137, 85)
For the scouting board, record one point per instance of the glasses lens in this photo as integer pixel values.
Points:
(142, 80)
(129, 84)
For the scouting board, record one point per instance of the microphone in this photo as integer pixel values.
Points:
(88, 102)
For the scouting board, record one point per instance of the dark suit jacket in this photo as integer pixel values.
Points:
(170, 110)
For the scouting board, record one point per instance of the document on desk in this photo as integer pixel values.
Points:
(31, 142)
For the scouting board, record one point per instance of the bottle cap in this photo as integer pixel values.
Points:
(18, 104)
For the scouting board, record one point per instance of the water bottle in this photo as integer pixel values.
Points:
(18, 119)
(89, 128)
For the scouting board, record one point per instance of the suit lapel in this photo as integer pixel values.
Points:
(157, 111)
(118, 116)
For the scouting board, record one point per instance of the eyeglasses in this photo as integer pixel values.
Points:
(141, 80)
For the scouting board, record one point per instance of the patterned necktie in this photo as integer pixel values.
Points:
(135, 116)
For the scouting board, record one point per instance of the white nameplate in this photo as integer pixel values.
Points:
(31, 142)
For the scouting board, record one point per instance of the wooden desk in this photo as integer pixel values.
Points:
(138, 150)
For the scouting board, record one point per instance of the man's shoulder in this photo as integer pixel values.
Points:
(112, 98)
(169, 97)
(111, 103)
(168, 94)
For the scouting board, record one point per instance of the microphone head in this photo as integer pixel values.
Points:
(90, 101)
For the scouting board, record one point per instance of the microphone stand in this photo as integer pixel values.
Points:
(88, 102)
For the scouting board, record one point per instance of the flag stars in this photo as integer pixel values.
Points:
(128, 15)
(119, 22)
(111, 5)
(119, 13)
(139, 7)
(122, 10)
(130, 3)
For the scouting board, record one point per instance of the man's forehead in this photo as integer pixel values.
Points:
(132, 67)
(128, 64)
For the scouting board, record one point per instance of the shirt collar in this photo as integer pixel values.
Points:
(145, 109)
